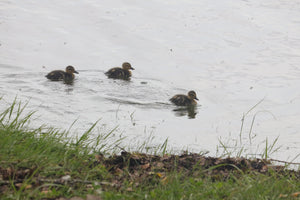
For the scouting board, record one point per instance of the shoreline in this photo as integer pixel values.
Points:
(39, 164)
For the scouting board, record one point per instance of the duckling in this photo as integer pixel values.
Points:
(120, 73)
(185, 100)
(58, 75)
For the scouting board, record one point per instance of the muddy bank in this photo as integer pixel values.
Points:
(140, 169)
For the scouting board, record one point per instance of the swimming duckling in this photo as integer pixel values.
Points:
(59, 75)
(120, 73)
(185, 100)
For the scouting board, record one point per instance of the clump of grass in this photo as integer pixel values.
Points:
(237, 147)
(32, 144)
(46, 151)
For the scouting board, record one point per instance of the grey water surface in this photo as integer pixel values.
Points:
(241, 57)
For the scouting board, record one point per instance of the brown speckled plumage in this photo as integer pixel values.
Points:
(185, 100)
(59, 75)
(120, 73)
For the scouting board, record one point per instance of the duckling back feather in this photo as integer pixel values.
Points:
(181, 100)
(119, 73)
(56, 75)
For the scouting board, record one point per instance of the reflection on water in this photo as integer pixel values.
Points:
(68, 82)
(69, 88)
(190, 111)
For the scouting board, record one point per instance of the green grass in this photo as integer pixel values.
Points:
(36, 161)
(251, 186)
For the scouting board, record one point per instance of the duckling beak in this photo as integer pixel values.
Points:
(196, 98)
(132, 68)
(76, 72)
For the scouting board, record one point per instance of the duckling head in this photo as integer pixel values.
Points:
(70, 69)
(192, 95)
(127, 66)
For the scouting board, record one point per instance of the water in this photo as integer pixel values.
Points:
(233, 54)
